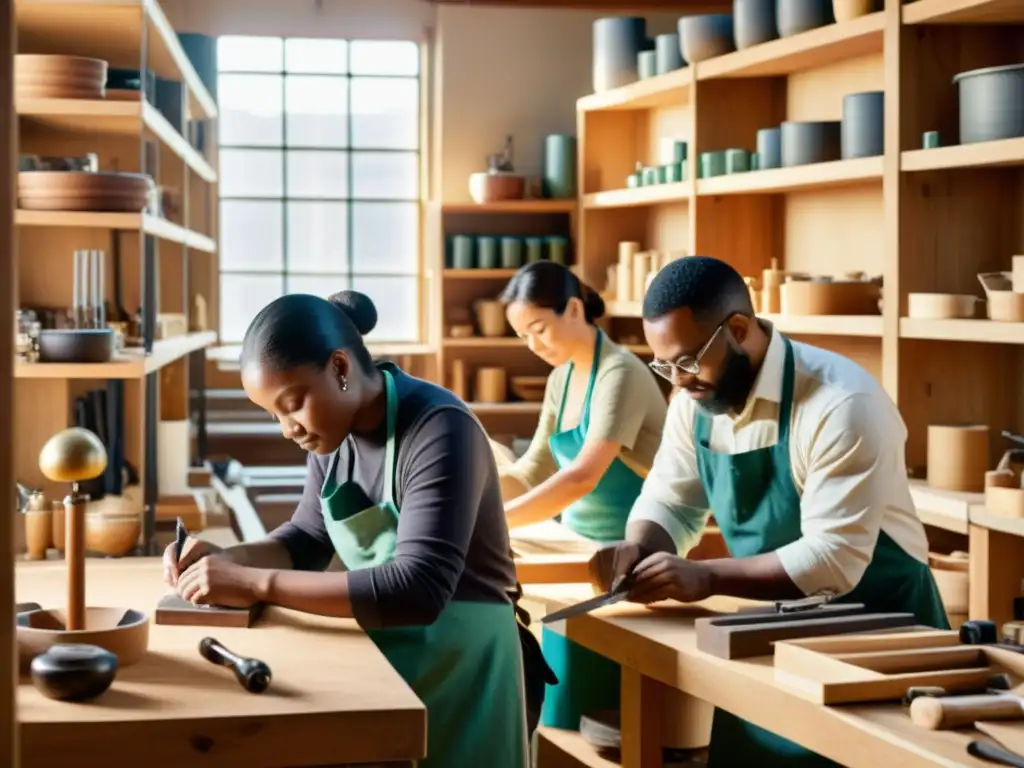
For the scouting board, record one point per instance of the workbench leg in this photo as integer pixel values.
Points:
(641, 720)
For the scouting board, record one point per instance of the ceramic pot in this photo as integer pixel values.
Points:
(769, 148)
(462, 252)
(487, 252)
(560, 166)
(847, 10)
(809, 142)
(863, 128)
(796, 16)
(753, 22)
(646, 64)
(667, 54)
(705, 36)
(617, 42)
(991, 103)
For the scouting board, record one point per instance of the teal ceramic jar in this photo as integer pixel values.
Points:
(511, 253)
(534, 249)
(487, 252)
(558, 249)
(560, 166)
(462, 252)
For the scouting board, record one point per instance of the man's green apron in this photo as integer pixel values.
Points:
(757, 508)
(466, 667)
(587, 681)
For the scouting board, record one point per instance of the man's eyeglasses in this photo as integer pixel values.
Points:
(687, 364)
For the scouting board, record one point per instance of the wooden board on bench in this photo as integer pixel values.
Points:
(172, 610)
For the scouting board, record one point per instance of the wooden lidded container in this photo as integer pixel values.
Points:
(958, 457)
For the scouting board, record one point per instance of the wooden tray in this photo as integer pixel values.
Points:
(754, 632)
(881, 667)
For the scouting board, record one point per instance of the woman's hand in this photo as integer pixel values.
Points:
(220, 581)
(663, 576)
(193, 551)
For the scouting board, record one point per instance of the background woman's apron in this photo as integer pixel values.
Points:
(588, 682)
(466, 666)
(757, 508)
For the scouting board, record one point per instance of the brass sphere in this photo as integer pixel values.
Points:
(73, 456)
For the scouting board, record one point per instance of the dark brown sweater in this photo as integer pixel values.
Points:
(453, 540)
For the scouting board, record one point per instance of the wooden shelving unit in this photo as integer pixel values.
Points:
(926, 220)
(455, 290)
(152, 264)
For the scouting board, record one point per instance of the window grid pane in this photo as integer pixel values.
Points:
(321, 176)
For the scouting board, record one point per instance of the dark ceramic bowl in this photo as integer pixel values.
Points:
(796, 16)
(76, 345)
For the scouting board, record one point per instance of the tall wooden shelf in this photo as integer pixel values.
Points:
(459, 288)
(163, 262)
(926, 220)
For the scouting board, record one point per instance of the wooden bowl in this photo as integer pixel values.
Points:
(83, 191)
(940, 306)
(40, 76)
(122, 631)
(529, 388)
(114, 536)
(1004, 305)
(76, 345)
(490, 187)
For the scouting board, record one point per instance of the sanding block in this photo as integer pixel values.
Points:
(172, 610)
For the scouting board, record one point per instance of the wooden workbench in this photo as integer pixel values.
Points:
(334, 699)
(657, 647)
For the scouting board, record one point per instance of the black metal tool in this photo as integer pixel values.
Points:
(985, 632)
(994, 754)
(618, 592)
(252, 674)
(180, 537)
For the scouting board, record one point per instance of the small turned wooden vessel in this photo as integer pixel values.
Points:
(43, 76)
(1004, 304)
(73, 672)
(83, 191)
(74, 456)
(958, 457)
(490, 317)
(941, 306)
(528, 388)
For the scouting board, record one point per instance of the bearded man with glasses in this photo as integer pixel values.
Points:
(798, 453)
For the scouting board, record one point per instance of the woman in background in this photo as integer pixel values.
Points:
(402, 488)
(599, 429)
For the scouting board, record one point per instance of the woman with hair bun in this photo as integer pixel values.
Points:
(403, 489)
(599, 429)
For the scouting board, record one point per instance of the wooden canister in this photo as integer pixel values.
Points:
(38, 533)
(491, 385)
(641, 268)
(490, 317)
(460, 380)
(59, 528)
(958, 457)
(951, 577)
(624, 273)
(1017, 274)
(611, 281)
(771, 282)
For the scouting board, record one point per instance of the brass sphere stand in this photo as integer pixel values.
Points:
(74, 456)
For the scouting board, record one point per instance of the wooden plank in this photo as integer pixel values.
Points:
(173, 611)
(758, 639)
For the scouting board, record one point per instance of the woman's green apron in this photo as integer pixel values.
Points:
(587, 681)
(757, 508)
(466, 666)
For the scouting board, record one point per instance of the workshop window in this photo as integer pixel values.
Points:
(319, 176)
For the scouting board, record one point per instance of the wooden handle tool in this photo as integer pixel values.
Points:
(252, 674)
(955, 711)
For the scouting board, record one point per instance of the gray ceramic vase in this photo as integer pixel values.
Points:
(753, 22)
(804, 143)
(863, 131)
(796, 16)
(617, 42)
(706, 36)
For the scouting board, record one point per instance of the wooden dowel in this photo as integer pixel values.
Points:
(74, 554)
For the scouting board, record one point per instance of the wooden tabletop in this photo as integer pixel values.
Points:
(660, 643)
(334, 699)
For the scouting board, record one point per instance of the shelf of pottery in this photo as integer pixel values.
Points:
(116, 135)
(514, 219)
